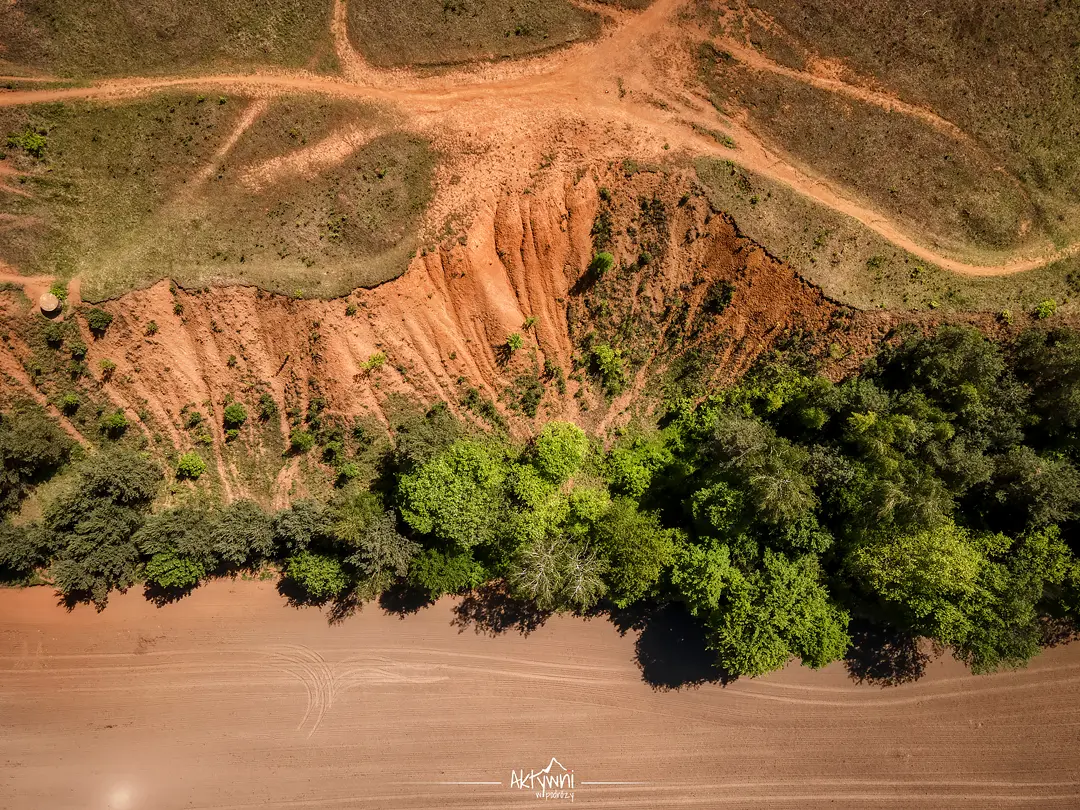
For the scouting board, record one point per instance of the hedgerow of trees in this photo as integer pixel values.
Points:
(936, 492)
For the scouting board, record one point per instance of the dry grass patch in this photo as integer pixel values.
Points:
(446, 32)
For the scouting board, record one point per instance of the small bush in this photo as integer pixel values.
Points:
(190, 465)
(607, 363)
(268, 409)
(59, 289)
(231, 362)
(514, 342)
(350, 310)
(602, 262)
(151, 328)
(69, 402)
(177, 308)
(232, 434)
(193, 420)
(77, 348)
(98, 320)
(235, 415)
(1044, 309)
(376, 361)
(530, 322)
(300, 440)
(108, 367)
(31, 142)
(114, 425)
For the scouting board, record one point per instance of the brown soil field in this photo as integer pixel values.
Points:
(233, 699)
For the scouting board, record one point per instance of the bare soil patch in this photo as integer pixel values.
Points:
(232, 699)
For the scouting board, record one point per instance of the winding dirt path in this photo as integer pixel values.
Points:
(232, 699)
(631, 91)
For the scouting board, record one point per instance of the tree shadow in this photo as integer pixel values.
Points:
(403, 599)
(1055, 631)
(166, 596)
(884, 656)
(671, 647)
(491, 610)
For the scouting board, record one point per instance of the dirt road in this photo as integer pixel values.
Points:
(233, 699)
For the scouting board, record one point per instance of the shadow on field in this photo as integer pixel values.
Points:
(671, 647)
(403, 600)
(884, 656)
(491, 610)
(165, 596)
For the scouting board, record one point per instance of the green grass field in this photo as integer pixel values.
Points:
(82, 38)
(122, 197)
(446, 32)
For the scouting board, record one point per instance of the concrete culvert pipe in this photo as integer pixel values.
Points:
(49, 303)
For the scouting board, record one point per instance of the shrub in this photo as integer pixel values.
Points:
(350, 310)
(114, 424)
(98, 320)
(514, 342)
(300, 440)
(31, 142)
(77, 348)
(235, 415)
(602, 262)
(190, 465)
(231, 362)
(376, 361)
(151, 328)
(69, 402)
(530, 322)
(321, 576)
(268, 409)
(107, 367)
(559, 450)
(1044, 309)
(193, 420)
(231, 435)
(607, 363)
(177, 308)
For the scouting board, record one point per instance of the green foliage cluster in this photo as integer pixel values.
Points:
(936, 492)
(30, 141)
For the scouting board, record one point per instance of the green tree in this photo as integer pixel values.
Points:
(180, 546)
(242, 536)
(31, 448)
(559, 450)
(439, 573)
(322, 576)
(94, 523)
(637, 550)
(778, 612)
(930, 577)
(457, 496)
(305, 524)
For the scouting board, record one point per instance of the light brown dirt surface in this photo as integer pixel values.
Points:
(233, 699)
